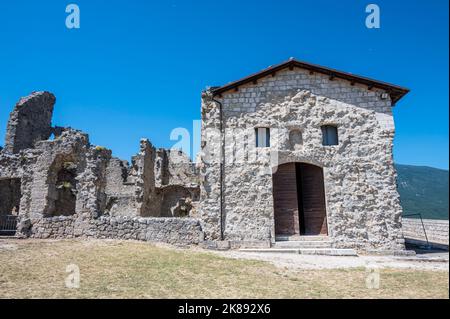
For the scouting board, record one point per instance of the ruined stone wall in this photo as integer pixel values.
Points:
(176, 184)
(69, 188)
(143, 171)
(117, 177)
(98, 176)
(29, 122)
(130, 189)
(166, 230)
(71, 149)
(19, 166)
(157, 184)
(119, 189)
(175, 168)
(360, 181)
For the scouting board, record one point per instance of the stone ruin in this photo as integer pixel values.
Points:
(65, 187)
(296, 153)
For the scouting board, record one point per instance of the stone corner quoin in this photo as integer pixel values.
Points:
(296, 153)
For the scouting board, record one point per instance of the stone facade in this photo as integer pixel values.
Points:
(362, 203)
(68, 188)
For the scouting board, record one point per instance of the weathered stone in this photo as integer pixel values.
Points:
(30, 122)
(68, 188)
(362, 203)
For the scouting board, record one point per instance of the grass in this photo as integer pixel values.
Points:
(114, 269)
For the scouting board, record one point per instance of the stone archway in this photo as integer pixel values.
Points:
(299, 200)
(62, 188)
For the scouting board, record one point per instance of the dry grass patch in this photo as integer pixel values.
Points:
(114, 269)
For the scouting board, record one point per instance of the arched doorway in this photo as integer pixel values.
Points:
(299, 200)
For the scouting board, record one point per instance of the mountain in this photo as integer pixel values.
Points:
(423, 190)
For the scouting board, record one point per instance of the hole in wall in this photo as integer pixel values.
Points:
(62, 190)
(10, 196)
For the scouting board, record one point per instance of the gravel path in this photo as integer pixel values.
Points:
(437, 261)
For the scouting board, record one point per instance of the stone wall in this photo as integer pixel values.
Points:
(360, 180)
(129, 188)
(10, 196)
(117, 178)
(436, 230)
(156, 184)
(30, 121)
(210, 169)
(66, 187)
(175, 168)
(166, 230)
(230, 191)
(287, 82)
(72, 148)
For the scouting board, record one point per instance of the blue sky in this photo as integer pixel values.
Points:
(136, 68)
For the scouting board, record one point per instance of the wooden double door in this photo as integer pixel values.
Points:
(299, 200)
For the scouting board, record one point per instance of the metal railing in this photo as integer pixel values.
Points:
(428, 246)
(8, 225)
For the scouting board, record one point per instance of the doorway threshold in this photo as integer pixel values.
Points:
(301, 238)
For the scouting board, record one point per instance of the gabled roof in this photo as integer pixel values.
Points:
(395, 92)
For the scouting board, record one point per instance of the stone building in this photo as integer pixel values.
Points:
(296, 152)
(299, 151)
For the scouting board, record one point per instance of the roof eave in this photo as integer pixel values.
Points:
(396, 92)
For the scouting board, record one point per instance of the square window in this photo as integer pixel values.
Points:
(329, 135)
(262, 137)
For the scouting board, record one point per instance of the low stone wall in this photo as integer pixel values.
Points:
(437, 230)
(166, 230)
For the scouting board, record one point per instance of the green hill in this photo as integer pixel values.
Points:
(423, 190)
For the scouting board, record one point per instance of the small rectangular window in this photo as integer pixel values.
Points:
(329, 135)
(262, 137)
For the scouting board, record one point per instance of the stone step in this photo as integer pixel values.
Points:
(303, 244)
(301, 238)
(8, 237)
(304, 251)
